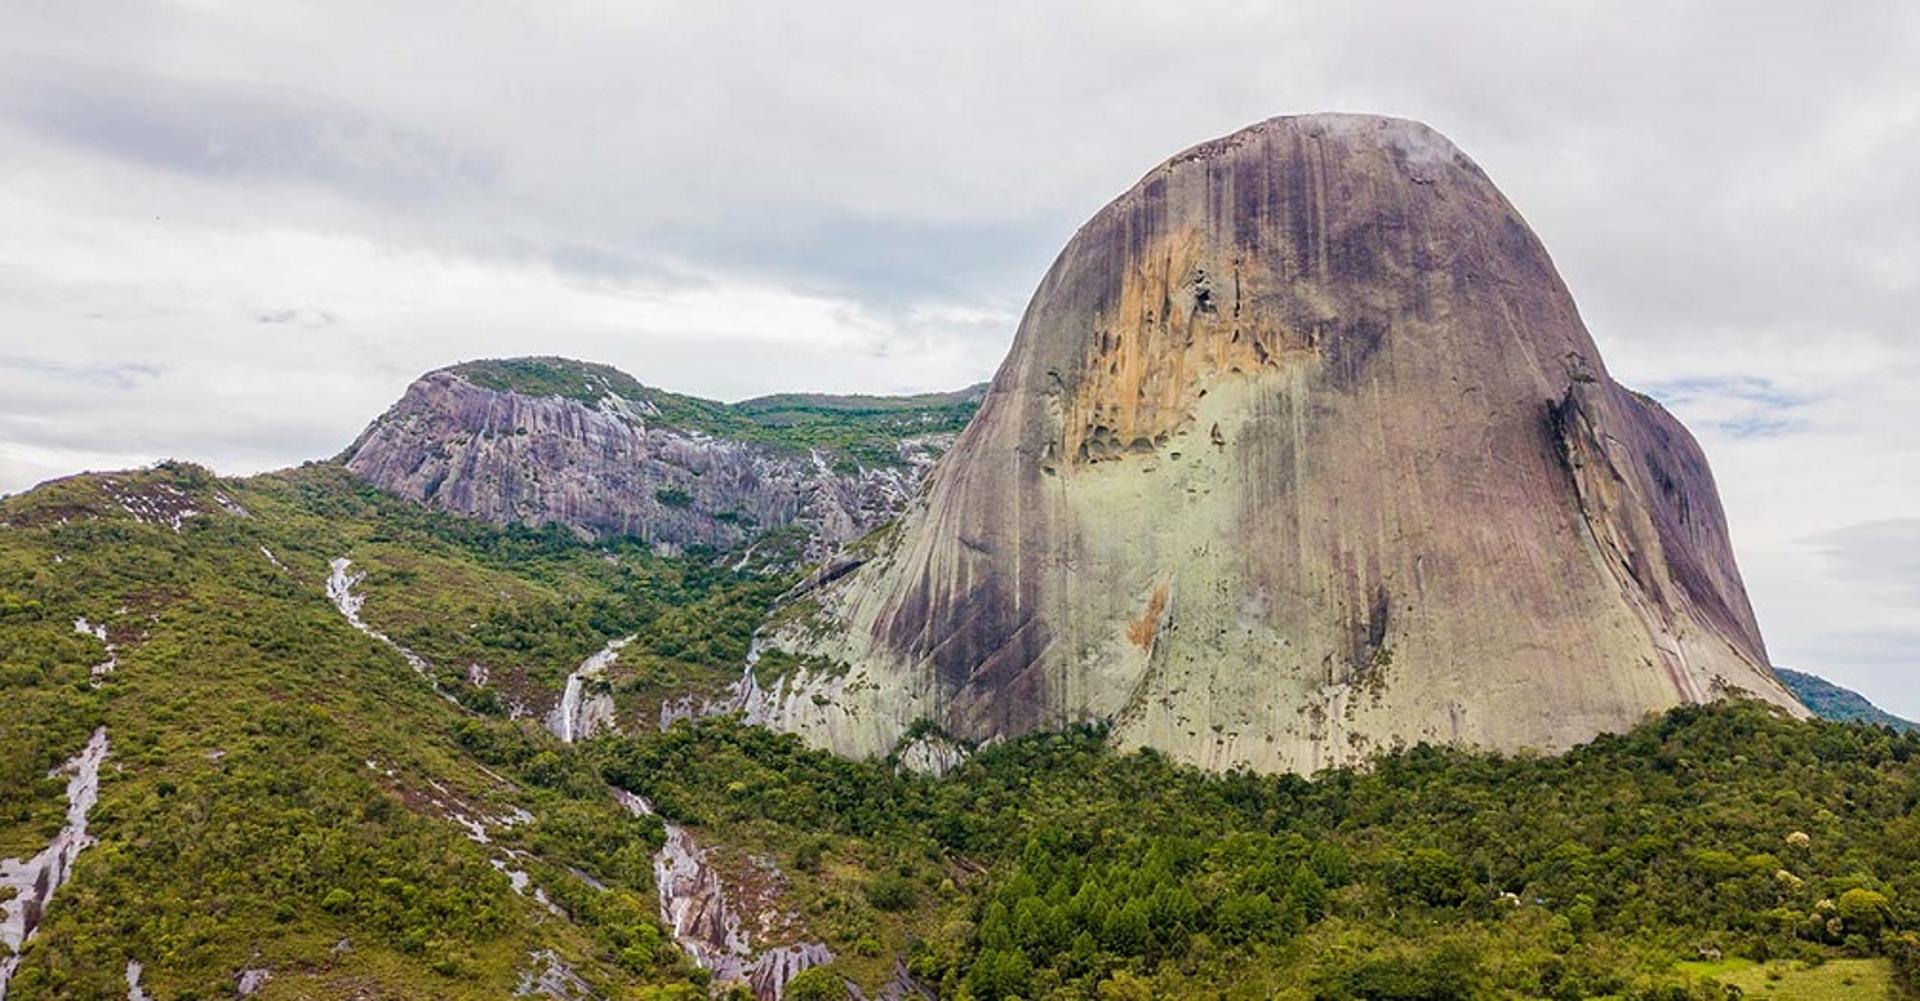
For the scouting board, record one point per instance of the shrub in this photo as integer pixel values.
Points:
(819, 983)
(1449, 973)
(891, 892)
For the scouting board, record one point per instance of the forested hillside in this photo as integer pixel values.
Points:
(295, 807)
(1830, 701)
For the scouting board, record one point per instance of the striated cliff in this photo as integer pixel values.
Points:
(1301, 452)
(548, 440)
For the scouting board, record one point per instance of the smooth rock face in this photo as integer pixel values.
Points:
(1301, 451)
(611, 469)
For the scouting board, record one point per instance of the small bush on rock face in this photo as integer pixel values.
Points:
(820, 983)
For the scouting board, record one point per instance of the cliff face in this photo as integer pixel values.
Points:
(1301, 451)
(611, 464)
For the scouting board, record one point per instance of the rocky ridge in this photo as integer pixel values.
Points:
(547, 440)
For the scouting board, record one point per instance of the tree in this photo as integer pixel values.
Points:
(1243, 917)
(1124, 986)
(999, 974)
(1308, 894)
(891, 892)
(1126, 929)
(1905, 953)
(1430, 876)
(1449, 973)
(1863, 910)
(1331, 864)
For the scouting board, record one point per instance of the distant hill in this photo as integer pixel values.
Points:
(861, 403)
(1830, 701)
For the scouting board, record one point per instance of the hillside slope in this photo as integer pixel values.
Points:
(322, 725)
(326, 753)
(1830, 701)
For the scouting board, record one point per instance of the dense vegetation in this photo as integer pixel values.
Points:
(284, 792)
(851, 429)
(1066, 870)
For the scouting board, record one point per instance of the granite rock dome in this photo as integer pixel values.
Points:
(1301, 451)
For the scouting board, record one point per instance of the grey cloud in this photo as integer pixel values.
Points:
(1881, 554)
(1739, 406)
(884, 262)
(296, 317)
(117, 376)
(246, 134)
(1703, 171)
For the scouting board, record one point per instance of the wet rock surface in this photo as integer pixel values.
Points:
(32, 882)
(931, 754)
(341, 581)
(549, 976)
(585, 705)
(698, 909)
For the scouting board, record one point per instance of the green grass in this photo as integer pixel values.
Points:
(582, 382)
(1833, 980)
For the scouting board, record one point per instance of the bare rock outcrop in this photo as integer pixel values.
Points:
(627, 460)
(707, 922)
(1302, 451)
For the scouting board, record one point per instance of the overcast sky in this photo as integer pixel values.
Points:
(233, 231)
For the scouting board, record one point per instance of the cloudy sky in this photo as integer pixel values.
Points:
(233, 231)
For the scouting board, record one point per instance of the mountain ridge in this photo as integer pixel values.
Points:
(543, 439)
(330, 789)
